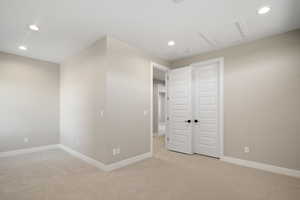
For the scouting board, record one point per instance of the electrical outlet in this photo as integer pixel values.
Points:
(116, 151)
(26, 140)
(246, 149)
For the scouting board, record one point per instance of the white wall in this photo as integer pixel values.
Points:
(29, 102)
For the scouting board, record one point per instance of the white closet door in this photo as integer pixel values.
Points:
(206, 137)
(179, 136)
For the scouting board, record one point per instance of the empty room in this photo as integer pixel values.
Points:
(149, 100)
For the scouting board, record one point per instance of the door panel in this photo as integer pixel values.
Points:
(179, 110)
(206, 110)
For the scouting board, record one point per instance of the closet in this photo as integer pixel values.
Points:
(195, 109)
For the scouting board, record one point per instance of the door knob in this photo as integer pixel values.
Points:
(196, 121)
(188, 121)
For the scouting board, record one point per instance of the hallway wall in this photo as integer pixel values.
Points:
(156, 85)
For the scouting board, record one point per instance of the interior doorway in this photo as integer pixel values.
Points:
(159, 106)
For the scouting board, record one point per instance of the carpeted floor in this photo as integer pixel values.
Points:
(56, 175)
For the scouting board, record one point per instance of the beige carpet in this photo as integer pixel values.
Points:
(53, 175)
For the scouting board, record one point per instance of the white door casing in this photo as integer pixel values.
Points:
(179, 131)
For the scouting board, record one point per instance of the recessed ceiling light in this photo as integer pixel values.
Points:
(34, 27)
(24, 48)
(171, 43)
(263, 10)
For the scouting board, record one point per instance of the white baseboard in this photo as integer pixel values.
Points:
(123, 163)
(128, 161)
(85, 158)
(81, 156)
(28, 150)
(103, 166)
(262, 166)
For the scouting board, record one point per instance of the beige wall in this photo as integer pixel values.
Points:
(29, 102)
(127, 97)
(82, 99)
(262, 99)
(113, 77)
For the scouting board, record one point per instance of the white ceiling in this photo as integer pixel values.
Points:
(196, 26)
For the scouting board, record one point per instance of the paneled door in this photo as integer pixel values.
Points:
(179, 119)
(206, 109)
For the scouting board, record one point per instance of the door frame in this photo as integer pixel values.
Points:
(163, 68)
(220, 61)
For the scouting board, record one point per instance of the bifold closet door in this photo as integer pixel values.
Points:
(179, 120)
(206, 137)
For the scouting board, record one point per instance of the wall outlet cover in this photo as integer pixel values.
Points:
(246, 149)
(116, 151)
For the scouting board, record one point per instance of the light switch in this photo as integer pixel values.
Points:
(102, 113)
